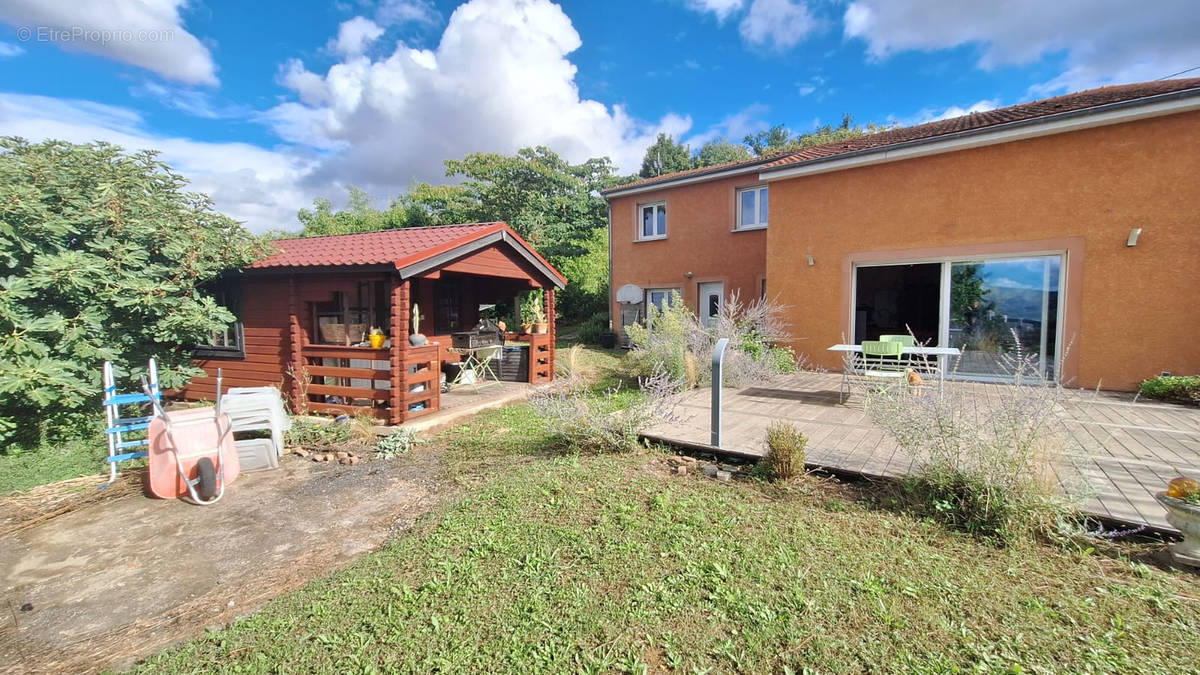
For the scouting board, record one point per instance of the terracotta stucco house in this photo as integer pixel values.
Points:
(1072, 223)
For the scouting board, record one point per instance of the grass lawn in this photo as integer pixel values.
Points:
(50, 463)
(553, 562)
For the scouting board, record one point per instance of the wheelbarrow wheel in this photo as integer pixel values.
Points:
(207, 475)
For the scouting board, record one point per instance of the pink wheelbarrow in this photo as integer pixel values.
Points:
(192, 453)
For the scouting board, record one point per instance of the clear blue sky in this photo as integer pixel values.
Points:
(266, 105)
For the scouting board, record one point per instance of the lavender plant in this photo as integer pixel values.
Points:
(674, 339)
(990, 459)
(608, 421)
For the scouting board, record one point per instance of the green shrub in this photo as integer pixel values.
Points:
(785, 451)
(1181, 388)
(591, 329)
(104, 256)
(399, 442)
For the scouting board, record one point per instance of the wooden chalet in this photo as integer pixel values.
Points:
(304, 311)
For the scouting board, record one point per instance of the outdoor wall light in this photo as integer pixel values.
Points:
(809, 258)
(1133, 237)
(688, 275)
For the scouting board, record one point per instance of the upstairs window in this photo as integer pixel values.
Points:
(652, 219)
(752, 208)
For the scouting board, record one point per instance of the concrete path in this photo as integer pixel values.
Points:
(1126, 450)
(111, 582)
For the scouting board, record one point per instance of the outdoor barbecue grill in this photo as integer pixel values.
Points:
(485, 334)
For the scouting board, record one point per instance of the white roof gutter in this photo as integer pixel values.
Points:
(698, 178)
(1075, 120)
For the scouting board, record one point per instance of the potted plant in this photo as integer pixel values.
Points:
(1182, 502)
(525, 312)
(540, 325)
(377, 338)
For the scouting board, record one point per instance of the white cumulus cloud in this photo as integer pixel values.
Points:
(780, 24)
(354, 36)
(1102, 41)
(258, 186)
(499, 79)
(148, 34)
(721, 8)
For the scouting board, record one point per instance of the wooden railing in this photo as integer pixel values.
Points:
(323, 382)
(541, 358)
(422, 385)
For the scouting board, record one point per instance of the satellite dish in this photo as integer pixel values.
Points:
(629, 294)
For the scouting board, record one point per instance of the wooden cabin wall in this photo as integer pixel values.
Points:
(264, 314)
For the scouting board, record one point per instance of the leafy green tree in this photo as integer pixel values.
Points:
(103, 256)
(720, 151)
(553, 204)
(775, 139)
(358, 216)
(779, 139)
(665, 156)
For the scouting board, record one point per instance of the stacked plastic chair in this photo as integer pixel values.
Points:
(257, 409)
(118, 427)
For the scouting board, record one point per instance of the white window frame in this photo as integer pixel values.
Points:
(758, 191)
(641, 219)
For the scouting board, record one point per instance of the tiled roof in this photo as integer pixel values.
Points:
(1021, 112)
(402, 248)
(704, 170)
(371, 248)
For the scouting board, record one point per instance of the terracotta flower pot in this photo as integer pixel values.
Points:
(541, 328)
(527, 328)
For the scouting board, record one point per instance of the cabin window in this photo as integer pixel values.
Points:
(447, 315)
(652, 219)
(229, 343)
(752, 208)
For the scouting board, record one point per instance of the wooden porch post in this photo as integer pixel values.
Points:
(399, 335)
(553, 332)
(296, 350)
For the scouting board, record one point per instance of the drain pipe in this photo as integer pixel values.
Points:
(718, 358)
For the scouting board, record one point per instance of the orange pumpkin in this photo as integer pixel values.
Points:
(1182, 488)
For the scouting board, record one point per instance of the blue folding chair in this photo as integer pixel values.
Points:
(117, 427)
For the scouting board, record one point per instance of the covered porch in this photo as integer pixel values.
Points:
(374, 324)
(341, 372)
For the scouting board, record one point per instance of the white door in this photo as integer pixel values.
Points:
(712, 297)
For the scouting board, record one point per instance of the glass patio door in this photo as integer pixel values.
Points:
(996, 304)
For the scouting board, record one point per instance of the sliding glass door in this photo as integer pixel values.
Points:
(985, 306)
(1000, 305)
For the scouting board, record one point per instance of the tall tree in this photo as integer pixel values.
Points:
(552, 203)
(665, 156)
(103, 256)
(775, 139)
(720, 151)
(779, 139)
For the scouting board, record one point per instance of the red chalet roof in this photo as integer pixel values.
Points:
(410, 249)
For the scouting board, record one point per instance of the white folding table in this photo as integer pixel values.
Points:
(940, 352)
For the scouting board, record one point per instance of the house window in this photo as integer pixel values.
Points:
(763, 293)
(229, 342)
(752, 208)
(653, 221)
(661, 298)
